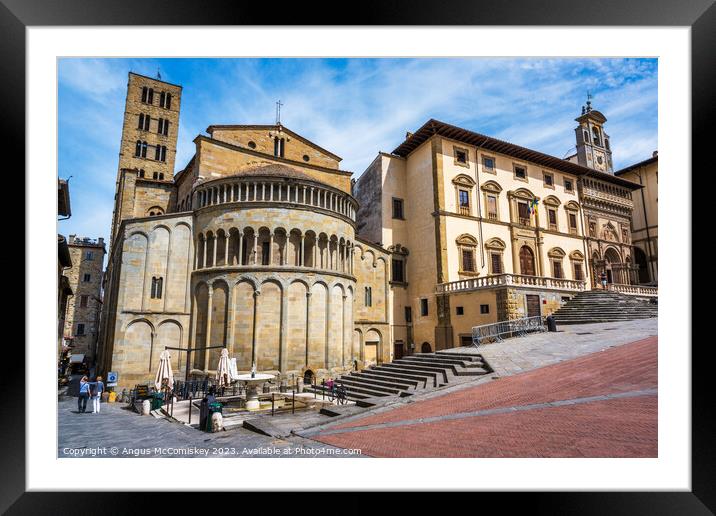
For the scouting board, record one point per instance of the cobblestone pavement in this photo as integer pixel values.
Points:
(599, 405)
(540, 349)
(119, 432)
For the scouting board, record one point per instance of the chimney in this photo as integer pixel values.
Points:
(72, 239)
(408, 135)
(655, 154)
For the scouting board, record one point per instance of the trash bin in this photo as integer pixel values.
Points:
(551, 323)
(157, 400)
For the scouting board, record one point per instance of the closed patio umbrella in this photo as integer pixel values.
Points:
(223, 373)
(164, 371)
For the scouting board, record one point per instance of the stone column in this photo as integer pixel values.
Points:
(253, 329)
(308, 323)
(208, 327)
(256, 245)
(284, 331)
(241, 248)
(231, 318)
(270, 256)
(343, 330)
(328, 327)
(216, 245)
(315, 252)
(515, 257)
(302, 260)
(227, 239)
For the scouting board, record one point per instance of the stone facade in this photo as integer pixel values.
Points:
(461, 205)
(251, 247)
(81, 326)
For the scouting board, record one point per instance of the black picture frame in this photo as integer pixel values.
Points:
(700, 15)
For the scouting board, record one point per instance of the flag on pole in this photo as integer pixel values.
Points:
(533, 206)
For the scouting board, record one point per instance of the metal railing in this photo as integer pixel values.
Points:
(496, 332)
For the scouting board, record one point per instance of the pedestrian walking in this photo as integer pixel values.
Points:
(96, 390)
(603, 279)
(84, 395)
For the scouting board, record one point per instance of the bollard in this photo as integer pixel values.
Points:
(293, 403)
(190, 408)
(272, 401)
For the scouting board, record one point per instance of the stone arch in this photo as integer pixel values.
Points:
(556, 252)
(268, 325)
(170, 332)
(243, 331)
(426, 348)
(336, 326)
(373, 337)
(552, 200)
(178, 268)
(201, 307)
(136, 352)
(357, 343)
(318, 328)
(134, 256)
(466, 239)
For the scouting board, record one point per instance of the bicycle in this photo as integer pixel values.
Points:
(341, 395)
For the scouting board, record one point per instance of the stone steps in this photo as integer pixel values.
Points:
(596, 306)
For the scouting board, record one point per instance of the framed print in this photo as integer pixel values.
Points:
(421, 241)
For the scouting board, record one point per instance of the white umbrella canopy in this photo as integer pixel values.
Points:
(164, 371)
(223, 372)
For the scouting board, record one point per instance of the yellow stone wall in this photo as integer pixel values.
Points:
(263, 137)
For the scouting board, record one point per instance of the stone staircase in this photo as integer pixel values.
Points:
(594, 306)
(408, 375)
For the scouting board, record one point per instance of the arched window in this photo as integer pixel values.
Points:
(586, 136)
(157, 285)
(138, 149)
(168, 103)
(467, 245)
(278, 146)
(144, 149)
(556, 256)
(595, 134)
(495, 249)
(527, 261)
(606, 142)
(150, 96)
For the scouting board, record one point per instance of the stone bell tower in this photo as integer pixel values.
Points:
(593, 148)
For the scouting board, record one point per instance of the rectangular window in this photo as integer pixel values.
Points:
(80, 329)
(265, 253)
(578, 272)
(520, 172)
(557, 266)
(548, 179)
(523, 213)
(83, 301)
(423, 307)
(397, 271)
(484, 309)
(461, 156)
(496, 259)
(573, 223)
(464, 198)
(86, 278)
(468, 260)
(459, 310)
(89, 255)
(397, 208)
(492, 207)
(408, 314)
(368, 301)
(144, 94)
(552, 215)
(488, 164)
(568, 185)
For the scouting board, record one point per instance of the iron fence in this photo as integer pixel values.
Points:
(496, 332)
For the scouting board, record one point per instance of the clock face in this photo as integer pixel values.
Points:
(601, 160)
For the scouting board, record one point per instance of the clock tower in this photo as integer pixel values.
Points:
(593, 149)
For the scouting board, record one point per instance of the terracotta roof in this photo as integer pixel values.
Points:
(274, 170)
(436, 127)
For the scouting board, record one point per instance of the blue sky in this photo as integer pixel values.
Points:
(352, 107)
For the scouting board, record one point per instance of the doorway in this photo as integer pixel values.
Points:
(527, 261)
(398, 350)
(371, 353)
(534, 308)
(425, 348)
